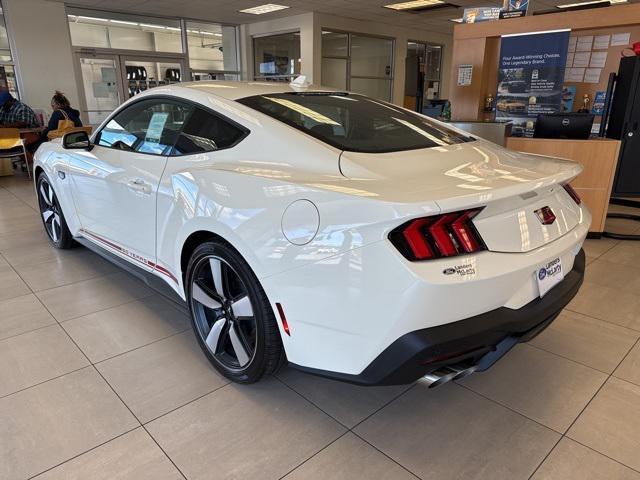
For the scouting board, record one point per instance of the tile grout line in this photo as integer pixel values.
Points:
(348, 429)
(82, 453)
(567, 358)
(104, 379)
(601, 319)
(564, 435)
(141, 424)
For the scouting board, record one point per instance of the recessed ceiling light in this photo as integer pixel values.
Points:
(413, 5)
(456, 20)
(593, 2)
(94, 19)
(267, 8)
(122, 22)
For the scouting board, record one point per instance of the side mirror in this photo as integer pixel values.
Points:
(76, 141)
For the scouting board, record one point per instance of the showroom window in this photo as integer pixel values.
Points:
(7, 68)
(124, 32)
(277, 57)
(359, 63)
(213, 51)
(120, 55)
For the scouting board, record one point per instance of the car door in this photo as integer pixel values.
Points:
(115, 184)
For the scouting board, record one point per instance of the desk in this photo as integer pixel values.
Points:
(599, 158)
(29, 135)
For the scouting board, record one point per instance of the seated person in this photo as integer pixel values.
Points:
(61, 111)
(14, 113)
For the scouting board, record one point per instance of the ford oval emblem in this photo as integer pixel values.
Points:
(542, 273)
(449, 271)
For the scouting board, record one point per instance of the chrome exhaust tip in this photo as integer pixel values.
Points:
(439, 377)
(447, 374)
(463, 371)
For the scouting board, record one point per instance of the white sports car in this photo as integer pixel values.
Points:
(352, 238)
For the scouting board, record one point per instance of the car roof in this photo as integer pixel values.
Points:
(233, 90)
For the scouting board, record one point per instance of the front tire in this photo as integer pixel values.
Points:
(51, 214)
(231, 315)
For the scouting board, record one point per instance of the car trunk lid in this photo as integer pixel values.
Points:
(515, 189)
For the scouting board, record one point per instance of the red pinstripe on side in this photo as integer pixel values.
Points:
(126, 252)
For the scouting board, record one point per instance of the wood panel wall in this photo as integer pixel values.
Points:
(478, 44)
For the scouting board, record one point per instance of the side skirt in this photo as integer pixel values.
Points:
(148, 278)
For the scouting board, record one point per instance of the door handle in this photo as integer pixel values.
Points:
(139, 185)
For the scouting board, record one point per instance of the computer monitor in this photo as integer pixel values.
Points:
(434, 108)
(563, 125)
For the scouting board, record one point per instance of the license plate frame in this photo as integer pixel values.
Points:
(549, 275)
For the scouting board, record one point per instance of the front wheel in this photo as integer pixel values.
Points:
(52, 217)
(231, 316)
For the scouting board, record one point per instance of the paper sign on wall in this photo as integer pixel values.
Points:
(569, 60)
(592, 75)
(575, 75)
(601, 42)
(619, 39)
(581, 59)
(598, 60)
(584, 43)
(465, 74)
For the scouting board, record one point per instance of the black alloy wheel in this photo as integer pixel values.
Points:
(231, 316)
(52, 217)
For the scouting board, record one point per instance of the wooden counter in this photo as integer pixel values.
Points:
(599, 158)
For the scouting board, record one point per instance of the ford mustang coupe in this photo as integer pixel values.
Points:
(352, 238)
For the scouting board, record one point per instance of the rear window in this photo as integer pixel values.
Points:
(353, 122)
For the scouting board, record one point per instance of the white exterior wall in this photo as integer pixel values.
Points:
(41, 47)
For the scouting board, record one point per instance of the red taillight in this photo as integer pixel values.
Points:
(572, 193)
(439, 236)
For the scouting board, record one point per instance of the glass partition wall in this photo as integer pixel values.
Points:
(121, 55)
(276, 57)
(7, 68)
(359, 63)
(422, 74)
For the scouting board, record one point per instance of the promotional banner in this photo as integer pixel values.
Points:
(514, 8)
(480, 14)
(530, 78)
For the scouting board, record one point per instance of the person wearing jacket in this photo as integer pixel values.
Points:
(61, 111)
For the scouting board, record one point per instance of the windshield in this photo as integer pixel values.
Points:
(354, 122)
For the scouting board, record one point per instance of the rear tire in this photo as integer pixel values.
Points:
(51, 215)
(231, 315)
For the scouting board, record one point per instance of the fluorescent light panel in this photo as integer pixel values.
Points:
(414, 4)
(261, 9)
(593, 2)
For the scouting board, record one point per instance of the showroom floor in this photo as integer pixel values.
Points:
(101, 379)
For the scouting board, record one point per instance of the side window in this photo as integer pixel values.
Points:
(149, 126)
(205, 132)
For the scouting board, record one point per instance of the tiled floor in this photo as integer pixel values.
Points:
(102, 379)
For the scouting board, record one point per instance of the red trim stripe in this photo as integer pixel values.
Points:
(127, 253)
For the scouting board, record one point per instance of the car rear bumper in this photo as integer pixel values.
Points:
(479, 340)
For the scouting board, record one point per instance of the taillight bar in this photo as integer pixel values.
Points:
(438, 236)
(572, 193)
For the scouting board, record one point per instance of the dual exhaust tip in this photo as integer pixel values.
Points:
(447, 374)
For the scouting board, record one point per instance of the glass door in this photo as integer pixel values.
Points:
(101, 87)
(143, 73)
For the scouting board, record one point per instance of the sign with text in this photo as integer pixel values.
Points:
(530, 78)
(480, 14)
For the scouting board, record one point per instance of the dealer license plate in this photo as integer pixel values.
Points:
(549, 275)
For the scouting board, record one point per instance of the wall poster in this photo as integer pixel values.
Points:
(530, 78)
